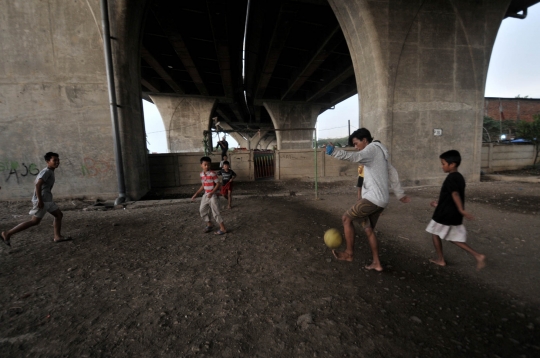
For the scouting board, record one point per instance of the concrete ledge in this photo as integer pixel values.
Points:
(519, 179)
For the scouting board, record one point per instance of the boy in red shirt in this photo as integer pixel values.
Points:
(209, 201)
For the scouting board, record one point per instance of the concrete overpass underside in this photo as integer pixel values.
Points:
(417, 66)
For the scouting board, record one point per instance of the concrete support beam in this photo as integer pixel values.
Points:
(127, 18)
(288, 118)
(185, 120)
(420, 66)
(53, 97)
(256, 138)
(267, 143)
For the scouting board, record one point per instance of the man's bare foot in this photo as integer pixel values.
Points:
(438, 262)
(342, 255)
(374, 266)
(5, 238)
(62, 238)
(481, 262)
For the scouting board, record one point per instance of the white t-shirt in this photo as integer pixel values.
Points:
(47, 175)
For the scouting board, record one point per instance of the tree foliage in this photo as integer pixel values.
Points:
(494, 128)
(337, 141)
(531, 131)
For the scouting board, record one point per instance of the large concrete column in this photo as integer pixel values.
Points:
(421, 65)
(53, 97)
(127, 18)
(185, 120)
(292, 116)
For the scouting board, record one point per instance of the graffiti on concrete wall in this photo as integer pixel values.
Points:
(14, 171)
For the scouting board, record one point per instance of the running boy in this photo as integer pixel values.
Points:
(42, 202)
(379, 175)
(209, 201)
(228, 175)
(447, 221)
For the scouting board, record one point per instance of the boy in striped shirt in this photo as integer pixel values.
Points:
(210, 185)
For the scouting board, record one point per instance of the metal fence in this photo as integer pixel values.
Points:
(264, 164)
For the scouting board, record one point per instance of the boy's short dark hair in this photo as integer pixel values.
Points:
(226, 162)
(49, 155)
(206, 159)
(360, 134)
(451, 156)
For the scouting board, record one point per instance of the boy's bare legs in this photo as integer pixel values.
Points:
(348, 227)
(480, 259)
(438, 248)
(372, 239)
(6, 235)
(230, 199)
(58, 215)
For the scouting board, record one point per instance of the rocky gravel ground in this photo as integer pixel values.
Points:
(145, 281)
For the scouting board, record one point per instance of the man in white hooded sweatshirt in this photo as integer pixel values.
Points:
(379, 175)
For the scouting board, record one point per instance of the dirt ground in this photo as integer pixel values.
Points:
(147, 282)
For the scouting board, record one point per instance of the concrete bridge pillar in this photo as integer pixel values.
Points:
(53, 97)
(267, 143)
(292, 116)
(185, 120)
(421, 69)
(255, 138)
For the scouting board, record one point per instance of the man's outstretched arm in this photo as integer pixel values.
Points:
(355, 157)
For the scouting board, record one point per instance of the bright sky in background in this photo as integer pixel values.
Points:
(514, 69)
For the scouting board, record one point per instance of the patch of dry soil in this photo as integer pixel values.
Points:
(146, 281)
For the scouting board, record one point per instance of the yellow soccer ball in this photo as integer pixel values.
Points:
(332, 238)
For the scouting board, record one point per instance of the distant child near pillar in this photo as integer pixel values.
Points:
(42, 202)
(209, 201)
(447, 221)
(228, 175)
(223, 160)
(360, 181)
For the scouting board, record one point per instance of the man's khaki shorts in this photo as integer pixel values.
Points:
(48, 206)
(366, 212)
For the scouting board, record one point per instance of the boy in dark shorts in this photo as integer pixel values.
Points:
(379, 175)
(42, 202)
(447, 221)
(209, 201)
(228, 175)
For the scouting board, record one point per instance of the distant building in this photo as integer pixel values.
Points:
(511, 108)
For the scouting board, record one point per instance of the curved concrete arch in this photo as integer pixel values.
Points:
(422, 65)
(357, 22)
